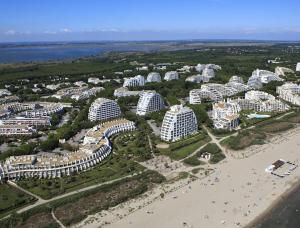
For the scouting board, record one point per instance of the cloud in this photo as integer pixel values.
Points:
(10, 32)
(65, 30)
(49, 32)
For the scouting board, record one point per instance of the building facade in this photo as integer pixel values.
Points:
(171, 75)
(154, 77)
(104, 109)
(96, 147)
(138, 80)
(149, 102)
(178, 123)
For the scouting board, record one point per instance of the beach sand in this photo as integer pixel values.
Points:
(237, 192)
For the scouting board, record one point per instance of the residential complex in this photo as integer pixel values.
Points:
(96, 147)
(149, 101)
(225, 115)
(94, 81)
(125, 92)
(104, 109)
(153, 77)
(289, 92)
(10, 130)
(77, 93)
(262, 77)
(197, 78)
(22, 118)
(178, 123)
(215, 92)
(138, 80)
(4, 92)
(171, 75)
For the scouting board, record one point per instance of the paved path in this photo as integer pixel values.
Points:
(59, 222)
(13, 184)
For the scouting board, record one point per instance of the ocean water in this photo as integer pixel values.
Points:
(44, 52)
(286, 214)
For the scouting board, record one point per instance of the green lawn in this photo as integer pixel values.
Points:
(192, 161)
(132, 145)
(12, 198)
(182, 149)
(112, 168)
(244, 139)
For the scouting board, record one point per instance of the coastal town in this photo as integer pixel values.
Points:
(171, 127)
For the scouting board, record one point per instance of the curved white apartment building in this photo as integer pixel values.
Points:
(289, 92)
(95, 148)
(138, 80)
(154, 77)
(32, 109)
(149, 102)
(103, 109)
(171, 75)
(178, 123)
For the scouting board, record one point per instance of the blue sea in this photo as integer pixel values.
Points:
(12, 53)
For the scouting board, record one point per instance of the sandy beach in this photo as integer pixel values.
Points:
(233, 195)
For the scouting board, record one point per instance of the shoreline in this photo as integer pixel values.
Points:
(260, 219)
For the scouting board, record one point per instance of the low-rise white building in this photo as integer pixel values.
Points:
(261, 102)
(94, 81)
(225, 115)
(124, 92)
(80, 83)
(138, 80)
(149, 101)
(197, 79)
(178, 123)
(283, 70)
(4, 92)
(215, 92)
(9, 130)
(154, 77)
(20, 120)
(142, 68)
(104, 109)
(265, 76)
(171, 75)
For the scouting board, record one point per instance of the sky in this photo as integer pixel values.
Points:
(96, 20)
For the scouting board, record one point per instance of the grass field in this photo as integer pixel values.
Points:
(244, 139)
(182, 149)
(192, 161)
(112, 168)
(12, 198)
